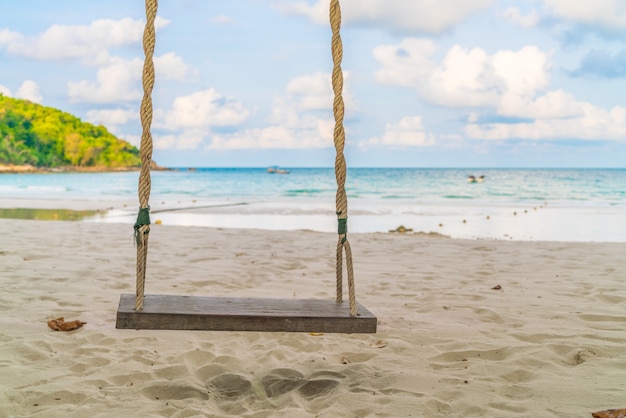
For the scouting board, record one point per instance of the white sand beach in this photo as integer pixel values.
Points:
(548, 343)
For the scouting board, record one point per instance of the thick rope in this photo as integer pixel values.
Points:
(340, 161)
(142, 226)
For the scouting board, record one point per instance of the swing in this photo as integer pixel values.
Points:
(142, 311)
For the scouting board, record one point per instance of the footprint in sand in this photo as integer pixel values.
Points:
(210, 371)
(580, 356)
(231, 385)
(168, 391)
(314, 388)
(281, 381)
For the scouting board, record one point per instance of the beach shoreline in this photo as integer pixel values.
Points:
(498, 222)
(466, 327)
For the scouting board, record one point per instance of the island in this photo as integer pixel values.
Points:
(36, 138)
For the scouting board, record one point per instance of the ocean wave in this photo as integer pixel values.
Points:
(305, 192)
(456, 196)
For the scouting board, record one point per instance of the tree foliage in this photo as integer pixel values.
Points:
(47, 137)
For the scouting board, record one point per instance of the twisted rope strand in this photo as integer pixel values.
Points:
(340, 162)
(351, 290)
(339, 271)
(143, 229)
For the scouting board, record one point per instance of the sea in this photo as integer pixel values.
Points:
(570, 205)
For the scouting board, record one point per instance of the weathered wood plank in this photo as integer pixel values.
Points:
(243, 314)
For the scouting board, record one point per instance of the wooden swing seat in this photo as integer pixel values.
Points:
(243, 314)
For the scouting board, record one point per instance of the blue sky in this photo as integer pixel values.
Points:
(451, 83)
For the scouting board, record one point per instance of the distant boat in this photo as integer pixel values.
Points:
(276, 170)
(473, 179)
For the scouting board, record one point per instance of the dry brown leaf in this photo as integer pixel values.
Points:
(497, 287)
(379, 344)
(610, 413)
(59, 324)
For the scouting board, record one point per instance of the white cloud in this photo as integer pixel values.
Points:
(204, 109)
(76, 41)
(29, 90)
(275, 137)
(408, 132)
(171, 67)
(509, 84)
(525, 21)
(606, 13)
(112, 117)
(8, 37)
(302, 118)
(120, 79)
(311, 91)
(297, 130)
(164, 141)
(398, 15)
(556, 115)
(554, 104)
(315, 92)
(524, 72)
(405, 64)
(465, 78)
(192, 117)
(189, 139)
(597, 124)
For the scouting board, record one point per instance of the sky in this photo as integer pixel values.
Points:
(247, 83)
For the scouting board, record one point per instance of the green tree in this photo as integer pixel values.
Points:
(47, 137)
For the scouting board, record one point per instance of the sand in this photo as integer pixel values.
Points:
(548, 343)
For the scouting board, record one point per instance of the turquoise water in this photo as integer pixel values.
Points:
(594, 186)
(575, 204)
